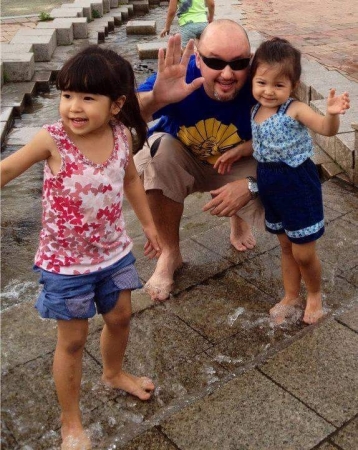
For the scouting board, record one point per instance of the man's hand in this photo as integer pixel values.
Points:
(170, 85)
(228, 199)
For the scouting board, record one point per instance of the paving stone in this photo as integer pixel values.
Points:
(256, 409)
(347, 437)
(310, 370)
(350, 318)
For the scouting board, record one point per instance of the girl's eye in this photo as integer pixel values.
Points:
(64, 95)
(88, 98)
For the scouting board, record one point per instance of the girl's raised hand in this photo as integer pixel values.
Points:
(337, 104)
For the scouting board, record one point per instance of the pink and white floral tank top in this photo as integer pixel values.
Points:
(83, 228)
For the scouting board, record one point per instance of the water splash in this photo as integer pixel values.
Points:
(233, 317)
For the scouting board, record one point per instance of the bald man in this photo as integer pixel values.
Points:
(203, 104)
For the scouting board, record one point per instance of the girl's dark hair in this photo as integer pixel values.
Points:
(97, 70)
(279, 51)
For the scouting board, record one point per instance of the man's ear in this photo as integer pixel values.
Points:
(197, 59)
(117, 105)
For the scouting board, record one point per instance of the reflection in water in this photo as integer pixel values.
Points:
(21, 199)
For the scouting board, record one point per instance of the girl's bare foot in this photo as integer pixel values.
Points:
(160, 284)
(314, 310)
(76, 442)
(284, 309)
(141, 387)
(241, 236)
(73, 435)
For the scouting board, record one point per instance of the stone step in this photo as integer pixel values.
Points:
(44, 41)
(80, 25)
(95, 5)
(18, 66)
(66, 12)
(17, 96)
(6, 120)
(83, 5)
(64, 31)
(149, 50)
(141, 27)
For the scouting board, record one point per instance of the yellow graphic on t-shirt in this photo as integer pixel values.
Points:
(209, 139)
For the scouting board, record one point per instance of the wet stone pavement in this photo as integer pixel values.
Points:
(226, 378)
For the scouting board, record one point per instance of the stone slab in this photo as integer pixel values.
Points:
(248, 412)
(145, 27)
(310, 368)
(149, 50)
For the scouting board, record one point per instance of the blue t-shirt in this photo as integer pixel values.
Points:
(207, 127)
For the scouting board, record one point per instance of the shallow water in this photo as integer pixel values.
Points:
(21, 199)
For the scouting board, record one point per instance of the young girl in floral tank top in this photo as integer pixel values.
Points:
(84, 256)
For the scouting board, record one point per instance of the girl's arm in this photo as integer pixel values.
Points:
(134, 191)
(327, 125)
(211, 9)
(172, 8)
(36, 150)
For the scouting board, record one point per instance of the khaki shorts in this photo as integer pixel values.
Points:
(177, 173)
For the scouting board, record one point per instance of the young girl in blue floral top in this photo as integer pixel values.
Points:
(288, 181)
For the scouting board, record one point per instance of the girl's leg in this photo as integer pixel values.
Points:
(310, 268)
(67, 372)
(114, 340)
(291, 277)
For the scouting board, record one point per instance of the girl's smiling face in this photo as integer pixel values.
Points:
(270, 87)
(84, 113)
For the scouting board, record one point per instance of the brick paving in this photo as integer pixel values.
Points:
(326, 32)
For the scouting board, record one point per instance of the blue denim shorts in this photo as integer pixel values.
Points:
(66, 297)
(292, 198)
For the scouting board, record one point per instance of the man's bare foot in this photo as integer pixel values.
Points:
(141, 387)
(314, 310)
(160, 284)
(241, 236)
(284, 309)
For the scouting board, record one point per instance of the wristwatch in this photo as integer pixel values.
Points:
(252, 186)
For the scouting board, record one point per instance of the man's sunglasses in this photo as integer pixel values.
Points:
(220, 64)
